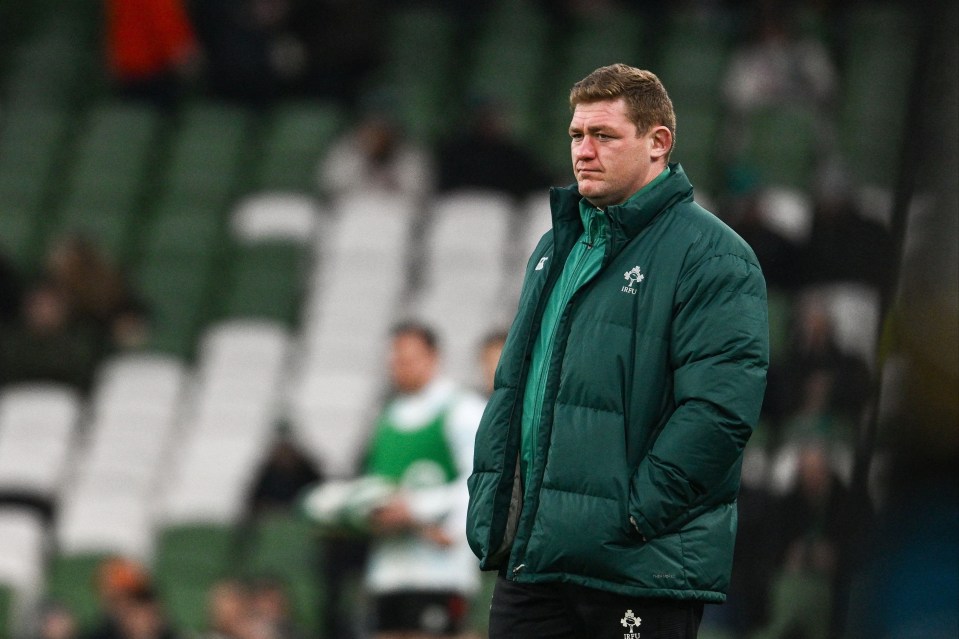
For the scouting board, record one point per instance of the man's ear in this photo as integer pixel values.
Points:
(661, 142)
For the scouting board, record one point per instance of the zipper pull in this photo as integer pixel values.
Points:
(518, 568)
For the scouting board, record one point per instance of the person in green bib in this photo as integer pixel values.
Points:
(421, 574)
(607, 461)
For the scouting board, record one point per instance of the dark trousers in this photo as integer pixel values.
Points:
(567, 611)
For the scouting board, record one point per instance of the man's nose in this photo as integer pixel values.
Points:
(585, 149)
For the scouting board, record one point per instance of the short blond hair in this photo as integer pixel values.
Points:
(647, 103)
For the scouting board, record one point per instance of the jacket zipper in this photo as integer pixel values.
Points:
(548, 355)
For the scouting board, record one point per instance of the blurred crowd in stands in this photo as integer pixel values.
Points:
(58, 323)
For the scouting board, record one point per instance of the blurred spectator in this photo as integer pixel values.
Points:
(814, 515)
(121, 584)
(142, 617)
(486, 154)
(490, 349)
(47, 344)
(816, 378)
(251, 54)
(97, 292)
(151, 49)
(777, 65)
(845, 245)
(376, 156)
(820, 523)
(421, 574)
(283, 475)
(56, 621)
(270, 606)
(228, 612)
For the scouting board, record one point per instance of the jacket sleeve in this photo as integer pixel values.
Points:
(719, 354)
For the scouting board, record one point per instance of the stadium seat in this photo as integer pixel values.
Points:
(692, 58)
(285, 547)
(465, 249)
(108, 506)
(276, 215)
(208, 156)
(177, 292)
(31, 151)
(267, 282)
(107, 511)
(38, 422)
(509, 59)
(185, 231)
(18, 238)
(6, 610)
(138, 379)
(232, 412)
(417, 83)
(297, 134)
(330, 411)
(53, 65)
(22, 548)
(190, 558)
(109, 228)
(115, 147)
(71, 579)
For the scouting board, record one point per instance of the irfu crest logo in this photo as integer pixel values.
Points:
(633, 276)
(630, 621)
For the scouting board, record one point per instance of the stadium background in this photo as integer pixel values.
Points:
(270, 300)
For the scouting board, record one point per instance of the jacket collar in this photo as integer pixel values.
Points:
(626, 220)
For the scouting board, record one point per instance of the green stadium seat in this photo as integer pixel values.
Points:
(190, 558)
(267, 282)
(108, 178)
(297, 135)
(602, 38)
(70, 579)
(188, 231)
(692, 60)
(6, 611)
(177, 290)
(19, 237)
(31, 152)
(209, 155)
(509, 59)
(52, 67)
(108, 227)
(421, 49)
(284, 546)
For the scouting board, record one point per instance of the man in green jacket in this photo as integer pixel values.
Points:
(607, 463)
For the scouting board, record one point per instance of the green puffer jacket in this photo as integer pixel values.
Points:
(655, 383)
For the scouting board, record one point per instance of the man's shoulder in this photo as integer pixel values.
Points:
(707, 234)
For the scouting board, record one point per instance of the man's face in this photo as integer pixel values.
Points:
(610, 161)
(412, 363)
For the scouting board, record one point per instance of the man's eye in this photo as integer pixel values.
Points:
(576, 136)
